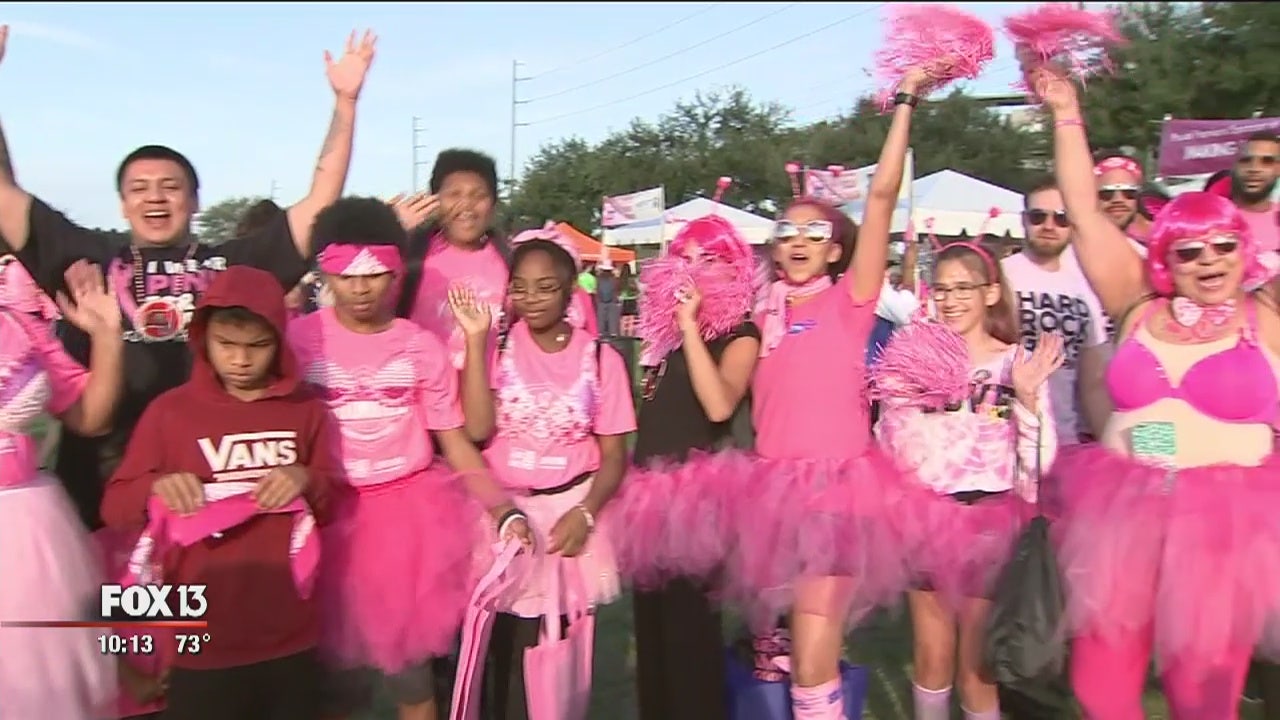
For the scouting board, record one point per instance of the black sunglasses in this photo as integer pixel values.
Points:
(1192, 252)
(1109, 192)
(1040, 217)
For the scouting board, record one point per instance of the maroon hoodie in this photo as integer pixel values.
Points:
(254, 611)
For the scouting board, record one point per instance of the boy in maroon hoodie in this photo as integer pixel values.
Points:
(242, 430)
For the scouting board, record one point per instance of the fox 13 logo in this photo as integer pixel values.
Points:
(153, 602)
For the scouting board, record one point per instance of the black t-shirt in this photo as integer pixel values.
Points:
(672, 421)
(159, 298)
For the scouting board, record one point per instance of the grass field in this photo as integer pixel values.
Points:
(883, 644)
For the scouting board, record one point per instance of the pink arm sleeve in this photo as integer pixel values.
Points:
(1037, 443)
(617, 412)
(438, 387)
(67, 378)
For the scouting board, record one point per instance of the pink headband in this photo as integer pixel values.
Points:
(982, 253)
(1119, 163)
(551, 233)
(360, 260)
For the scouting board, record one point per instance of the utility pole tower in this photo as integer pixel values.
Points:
(516, 102)
(417, 128)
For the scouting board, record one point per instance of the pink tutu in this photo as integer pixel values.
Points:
(958, 549)
(394, 579)
(49, 571)
(1194, 553)
(761, 525)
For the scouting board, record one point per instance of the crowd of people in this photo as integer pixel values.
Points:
(373, 428)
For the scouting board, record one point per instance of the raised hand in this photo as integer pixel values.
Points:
(473, 316)
(1051, 84)
(346, 76)
(414, 210)
(1031, 369)
(89, 306)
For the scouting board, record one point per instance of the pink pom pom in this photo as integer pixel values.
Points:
(925, 364)
(1065, 36)
(948, 43)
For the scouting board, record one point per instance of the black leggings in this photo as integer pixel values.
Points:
(679, 654)
(286, 688)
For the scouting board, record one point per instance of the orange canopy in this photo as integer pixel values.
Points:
(590, 248)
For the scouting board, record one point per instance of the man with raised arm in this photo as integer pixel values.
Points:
(159, 276)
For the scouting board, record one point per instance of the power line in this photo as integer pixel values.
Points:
(668, 56)
(731, 63)
(631, 42)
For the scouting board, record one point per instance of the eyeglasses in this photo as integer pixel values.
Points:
(1109, 192)
(518, 291)
(1264, 160)
(1040, 217)
(816, 231)
(1192, 251)
(961, 291)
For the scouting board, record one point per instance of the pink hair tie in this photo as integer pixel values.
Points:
(550, 232)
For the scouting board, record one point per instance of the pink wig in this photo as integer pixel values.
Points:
(551, 233)
(20, 293)
(1196, 215)
(710, 254)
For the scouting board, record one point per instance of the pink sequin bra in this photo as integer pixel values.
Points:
(546, 413)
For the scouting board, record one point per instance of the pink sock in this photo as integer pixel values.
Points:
(992, 714)
(932, 704)
(820, 702)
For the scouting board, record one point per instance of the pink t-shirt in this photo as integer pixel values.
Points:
(551, 407)
(446, 266)
(36, 375)
(808, 397)
(386, 391)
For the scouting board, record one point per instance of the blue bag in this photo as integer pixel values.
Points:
(749, 698)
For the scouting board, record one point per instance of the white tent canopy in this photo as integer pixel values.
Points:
(757, 230)
(957, 203)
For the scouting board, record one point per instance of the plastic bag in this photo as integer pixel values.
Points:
(1026, 645)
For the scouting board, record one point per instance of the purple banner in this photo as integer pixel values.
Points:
(1200, 147)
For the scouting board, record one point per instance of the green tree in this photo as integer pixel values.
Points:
(217, 223)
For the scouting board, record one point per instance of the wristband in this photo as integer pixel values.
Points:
(903, 98)
(507, 518)
(586, 514)
(1069, 122)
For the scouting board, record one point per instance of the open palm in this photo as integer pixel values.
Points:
(1031, 369)
(346, 76)
(87, 304)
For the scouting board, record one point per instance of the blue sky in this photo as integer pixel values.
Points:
(240, 88)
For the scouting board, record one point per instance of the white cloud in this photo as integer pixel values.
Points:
(59, 35)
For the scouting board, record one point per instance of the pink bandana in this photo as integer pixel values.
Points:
(1119, 163)
(777, 309)
(360, 260)
(229, 504)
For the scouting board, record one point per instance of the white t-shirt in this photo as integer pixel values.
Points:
(1058, 301)
(896, 306)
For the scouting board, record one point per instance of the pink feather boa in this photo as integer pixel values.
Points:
(1066, 37)
(925, 365)
(953, 44)
(709, 254)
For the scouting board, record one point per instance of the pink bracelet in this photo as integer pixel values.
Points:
(1069, 122)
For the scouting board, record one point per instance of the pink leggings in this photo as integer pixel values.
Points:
(1109, 677)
